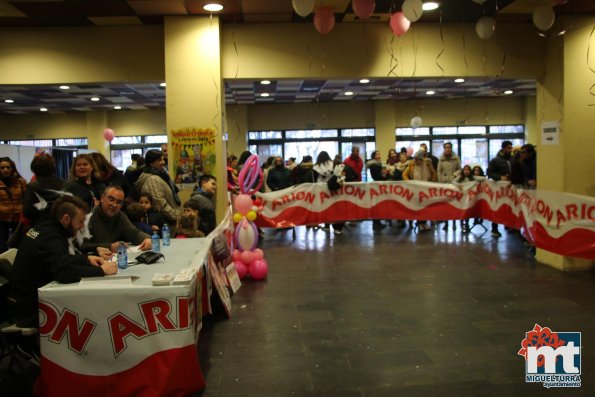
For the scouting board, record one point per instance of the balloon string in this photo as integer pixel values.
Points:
(234, 91)
(415, 51)
(592, 88)
(392, 58)
(367, 47)
(442, 49)
(465, 54)
(218, 112)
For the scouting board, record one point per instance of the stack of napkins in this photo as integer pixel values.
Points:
(162, 278)
(184, 276)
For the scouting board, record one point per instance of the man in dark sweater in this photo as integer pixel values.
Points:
(205, 200)
(109, 225)
(46, 255)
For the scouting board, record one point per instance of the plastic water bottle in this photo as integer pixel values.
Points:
(155, 243)
(122, 256)
(165, 235)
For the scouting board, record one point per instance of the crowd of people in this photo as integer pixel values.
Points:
(517, 165)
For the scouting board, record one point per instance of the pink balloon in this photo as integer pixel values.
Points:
(399, 24)
(236, 255)
(108, 134)
(258, 254)
(243, 203)
(324, 19)
(258, 269)
(247, 257)
(241, 268)
(363, 8)
(409, 151)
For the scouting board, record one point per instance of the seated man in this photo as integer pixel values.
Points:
(205, 201)
(108, 225)
(45, 255)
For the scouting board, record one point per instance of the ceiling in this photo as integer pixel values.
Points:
(49, 13)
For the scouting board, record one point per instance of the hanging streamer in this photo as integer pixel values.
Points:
(592, 88)
(218, 112)
(392, 57)
(442, 43)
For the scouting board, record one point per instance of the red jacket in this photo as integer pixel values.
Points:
(356, 164)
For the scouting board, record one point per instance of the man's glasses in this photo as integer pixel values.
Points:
(114, 200)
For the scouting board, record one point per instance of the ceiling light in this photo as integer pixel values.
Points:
(265, 82)
(95, 99)
(459, 80)
(430, 92)
(9, 100)
(212, 7)
(430, 6)
(508, 92)
(364, 81)
(43, 109)
(64, 87)
(264, 94)
(117, 107)
(162, 85)
(348, 93)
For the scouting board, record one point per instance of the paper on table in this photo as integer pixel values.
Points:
(134, 250)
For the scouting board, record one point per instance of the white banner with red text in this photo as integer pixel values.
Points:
(563, 223)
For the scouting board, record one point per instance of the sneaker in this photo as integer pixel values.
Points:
(28, 353)
(338, 232)
(325, 228)
(496, 233)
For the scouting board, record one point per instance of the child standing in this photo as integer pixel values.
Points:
(152, 216)
(189, 220)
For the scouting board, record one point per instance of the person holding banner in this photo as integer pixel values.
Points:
(499, 169)
(378, 172)
(449, 166)
(420, 169)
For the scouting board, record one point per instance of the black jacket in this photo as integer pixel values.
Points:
(85, 192)
(46, 188)
(207, 212)
(499, 166)
(43, 257)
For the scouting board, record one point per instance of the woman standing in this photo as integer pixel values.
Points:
(46, 187)
(12, 191)
(84, 180)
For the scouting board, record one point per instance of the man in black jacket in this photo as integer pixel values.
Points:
(499, 169)
(46, 254)
(205, 197)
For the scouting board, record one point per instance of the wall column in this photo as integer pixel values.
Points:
(194, 87)
(96, 123)
(385, 126)
(237, 129)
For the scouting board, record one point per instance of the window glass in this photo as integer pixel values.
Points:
(496, 145)
(260, 135)
(301, 134)
(358, 132)
(265, 151)
(474, 151)
(414, 145)
(312, 148)
(32, 142)
(507, 129)
(472, 130)
(413, 131)
(125, 140)
(444, 131)
(72, 142)
(121, 158)
(156, 139)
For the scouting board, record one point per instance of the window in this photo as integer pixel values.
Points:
(473, 144)
(67, 143)
(38, 143)
(299, 143)
(122, 147)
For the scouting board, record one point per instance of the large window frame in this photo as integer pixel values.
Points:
(492, 134)
(122, 147)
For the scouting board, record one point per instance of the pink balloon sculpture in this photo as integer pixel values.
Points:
(236, 255)
(247, 257)
(363, 8)
(399, 24)
(258, 254)
(108, 134)
(258, 269)
(324, 20)
(241, 268)
(243, 204)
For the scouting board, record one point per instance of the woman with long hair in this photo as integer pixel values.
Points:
(85, 180)
(12, 192)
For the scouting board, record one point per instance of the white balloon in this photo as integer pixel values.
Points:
(485, 27)
(303, 7)
(412, 9)
(544, 17)
(416, 122)
(479, 1)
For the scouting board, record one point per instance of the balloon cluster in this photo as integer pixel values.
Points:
(248, 259)
(324, 17)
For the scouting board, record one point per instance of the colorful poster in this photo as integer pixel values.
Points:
(563, 223)
(193, 153)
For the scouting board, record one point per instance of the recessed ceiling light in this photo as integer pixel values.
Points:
(265, 82)
(117, 107)
(95, 99)
(43, 109)
(364, 81)
(264, 94)
(430, 92)
(430, 6)
(9, 100)
(162, 85)
(508, 92)
(459, 80)
(212, 7)
(348, 93)
(64, 87)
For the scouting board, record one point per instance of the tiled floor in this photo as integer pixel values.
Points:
(393, 313)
